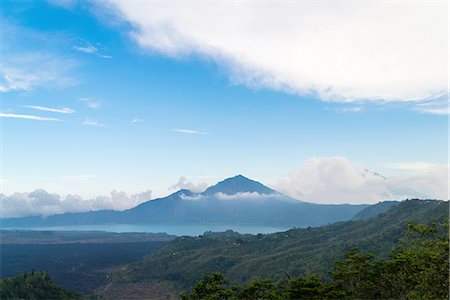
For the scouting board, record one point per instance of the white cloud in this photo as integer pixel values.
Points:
(40, 202)
(28, 71)
(92, 103)
(245, 196)
(183, 183)
(64, 110)
(136, 120)
(28, 117)
(87, 47)
(192, 198)
(23, 68)
(190, 131)
(438, 106)
(437, 111)
(95, 123)
(347, 109)
(339, 51)
(336, 180)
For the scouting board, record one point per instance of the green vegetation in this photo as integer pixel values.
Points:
(81, 267)
(14, 236)
(34, 285)
(418, 268)
(299, 251)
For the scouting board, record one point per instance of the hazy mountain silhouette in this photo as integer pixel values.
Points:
(236, 200)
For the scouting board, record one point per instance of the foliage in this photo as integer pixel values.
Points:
(418, 268)
(299, 251)
(34, 285)
(81, 267)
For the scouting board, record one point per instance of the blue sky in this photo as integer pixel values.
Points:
(139, 110)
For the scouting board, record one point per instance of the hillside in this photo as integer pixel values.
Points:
(297, 251)
(417, 268)
(237, 200)
(375, 210)
(80, 261)
(34, 285)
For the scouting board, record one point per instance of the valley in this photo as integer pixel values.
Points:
(160, 266)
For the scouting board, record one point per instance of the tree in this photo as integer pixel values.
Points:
(210, 287)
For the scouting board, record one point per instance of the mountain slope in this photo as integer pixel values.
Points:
(296, 251)
(238, 184)
(374, 210)
(236, 200)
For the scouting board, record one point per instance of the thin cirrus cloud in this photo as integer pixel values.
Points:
(439, 106)
(24, 70)
(190, 131)
(92, 103)
(89, 48)
(334, 51)
(94, 123)
(29, 71)
(28, 117)
(136, 120)
(64, 110)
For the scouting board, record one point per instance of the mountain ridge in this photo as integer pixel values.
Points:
(235, 200)
(298, 251)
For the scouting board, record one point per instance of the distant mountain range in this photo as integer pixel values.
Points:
(236, 200)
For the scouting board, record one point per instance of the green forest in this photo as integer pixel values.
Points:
(301, 252)
(33, 285)
(417, 268)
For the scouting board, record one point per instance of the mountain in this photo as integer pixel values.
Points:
(236, 200)
(374, 210)
(238, 184)
(297, 252)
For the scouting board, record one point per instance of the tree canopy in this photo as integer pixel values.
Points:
(417, 268)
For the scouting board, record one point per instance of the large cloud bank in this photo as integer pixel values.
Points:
(337, 180)
(344, 52)
(40, 202)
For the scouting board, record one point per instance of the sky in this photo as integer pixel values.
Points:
(107, 104)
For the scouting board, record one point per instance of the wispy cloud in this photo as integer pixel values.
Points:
(136, 120)
(438, 106)
(28, 117)
(64, 110)
(92, 103)
(23, 69)
(91, 122)
(352, 109)
(29, 71)
(190, 131)
(437, 111)
(89, 48)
